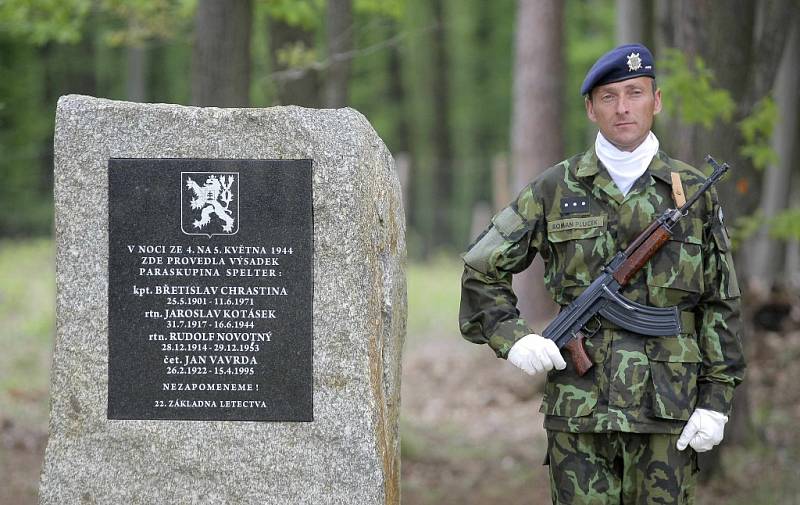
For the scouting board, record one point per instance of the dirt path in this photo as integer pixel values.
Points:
(472, 433)
(21, 455)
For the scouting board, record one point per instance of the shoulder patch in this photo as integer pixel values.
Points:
(507, 222)
(507, 228)
(479, 254)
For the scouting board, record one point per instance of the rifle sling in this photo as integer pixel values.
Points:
(678, 195)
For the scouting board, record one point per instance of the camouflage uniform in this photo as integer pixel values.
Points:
(605, 468)
(646, 385)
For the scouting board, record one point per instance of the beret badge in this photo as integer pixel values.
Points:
(634, 62)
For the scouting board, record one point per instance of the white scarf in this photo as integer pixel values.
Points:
(623, 166)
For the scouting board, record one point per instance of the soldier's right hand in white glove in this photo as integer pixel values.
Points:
(534, 354)
(703, 430)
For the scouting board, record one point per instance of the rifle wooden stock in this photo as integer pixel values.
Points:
(578, 354)
(642, 236)
(637, 259)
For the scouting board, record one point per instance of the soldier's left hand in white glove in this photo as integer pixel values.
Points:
(703, 430)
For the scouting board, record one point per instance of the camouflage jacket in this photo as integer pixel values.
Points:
(637, 384)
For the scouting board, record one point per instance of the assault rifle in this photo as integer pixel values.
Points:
(603, 296)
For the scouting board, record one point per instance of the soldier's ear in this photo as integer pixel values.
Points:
(587, 101)
(657, 105)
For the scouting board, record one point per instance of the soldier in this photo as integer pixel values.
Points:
(630, 429)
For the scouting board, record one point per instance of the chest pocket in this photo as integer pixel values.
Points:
(675, 273)
(578, 249)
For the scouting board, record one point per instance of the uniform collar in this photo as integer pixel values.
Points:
(589, 167)
(660, 167)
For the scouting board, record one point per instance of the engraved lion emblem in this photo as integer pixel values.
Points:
(210, 197)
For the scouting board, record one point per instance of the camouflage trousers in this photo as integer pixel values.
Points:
(620, 469)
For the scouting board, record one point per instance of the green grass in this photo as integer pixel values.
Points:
(27, 321)
(434, 290)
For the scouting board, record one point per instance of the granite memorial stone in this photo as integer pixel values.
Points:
(230, 307)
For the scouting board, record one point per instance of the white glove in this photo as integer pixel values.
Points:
(703, 430)
(533, 354)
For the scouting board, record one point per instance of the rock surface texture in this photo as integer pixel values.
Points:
(350, 453)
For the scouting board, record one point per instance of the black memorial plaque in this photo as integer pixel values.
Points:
(210, 289)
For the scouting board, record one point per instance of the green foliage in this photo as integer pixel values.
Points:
(374, 87)
(133, 23)
(170, 64)
(42, 21)
(690, 86)
(589, 34)
(418, 73)
(308, 14)
(786, 225)
(391, 8)
(24, 130)
(744, 228)
(465, 86)
(65, 21)
(296, 55)
(783, 226)
(757, 132)
(495, 55)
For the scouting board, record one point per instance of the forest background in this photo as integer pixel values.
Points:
(474, 98)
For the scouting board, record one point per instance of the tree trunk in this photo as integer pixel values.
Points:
(464, 108)
(766, 256)
(137, 64)
(136, 82)
(501, 187)
(775, 19)
(221, 55)
(396, 94)
(629, 21)
(680, 25)
(340, 42)
(793, 246)
(743, 55)
(293, 86)
(741, 44)
(418, 73)
(443, 167)
(745, 44)
(738, 44)
(536, 141)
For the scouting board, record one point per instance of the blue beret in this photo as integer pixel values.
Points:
(619, 64)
